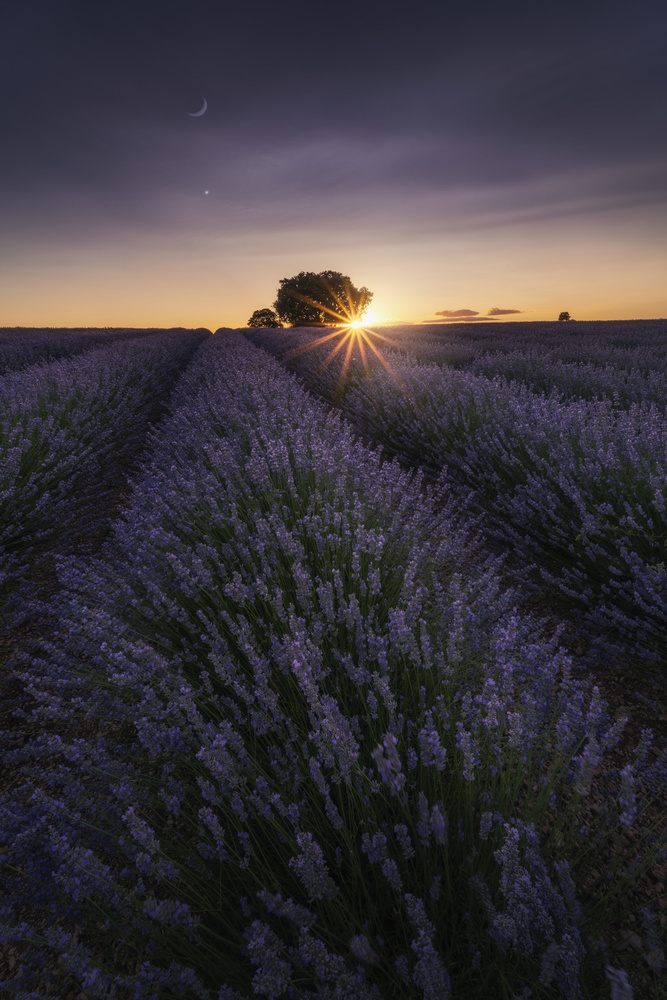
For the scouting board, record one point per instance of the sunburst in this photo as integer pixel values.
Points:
(348, 334)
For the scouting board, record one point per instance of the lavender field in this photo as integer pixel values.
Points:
(313, 654)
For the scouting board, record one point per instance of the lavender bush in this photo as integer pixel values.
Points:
(331, 739)
(575, 380)
(22, 347)
(65, 426)
(639, 347)
(576, 486)
(585, 365)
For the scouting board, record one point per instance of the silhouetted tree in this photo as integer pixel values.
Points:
(325, 299)
(264, 317)
(565, 317)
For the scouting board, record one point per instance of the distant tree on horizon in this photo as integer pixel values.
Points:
(565, 318)
(327, 298)
(264, 317)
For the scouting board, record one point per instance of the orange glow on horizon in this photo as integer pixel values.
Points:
(145, 281)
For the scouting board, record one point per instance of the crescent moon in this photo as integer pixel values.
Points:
(196, 114)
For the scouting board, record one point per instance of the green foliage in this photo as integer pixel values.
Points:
(264, 318)
(325, 299)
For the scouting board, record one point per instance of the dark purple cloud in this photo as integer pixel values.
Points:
(470, 315)
(460, 313)
(362, 117)
(460, 319)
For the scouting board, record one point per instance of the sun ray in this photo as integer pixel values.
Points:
(362, 350)
(344, 339)
(346, 363)
(354, 333)
(296, 351)
(329, 358)
(364, 338)
(350, 336)
(342, 317)
(392, 374)
(348, 311)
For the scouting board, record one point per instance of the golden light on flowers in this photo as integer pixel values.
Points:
(355, 339)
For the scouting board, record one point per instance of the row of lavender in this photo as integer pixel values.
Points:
(575, 487)
(335, 742)
(623, 362)
(65, 427)
(624, 342)
(21, 347)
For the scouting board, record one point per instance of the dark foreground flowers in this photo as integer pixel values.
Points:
(326, 742)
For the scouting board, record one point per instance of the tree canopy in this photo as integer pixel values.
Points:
(264, 317)
(565, 317)
(325, 299)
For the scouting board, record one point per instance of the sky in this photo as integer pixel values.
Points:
(475, 161)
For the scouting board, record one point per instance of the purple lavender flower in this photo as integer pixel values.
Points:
(172, 913)
(375, 847)
(299, 915)
(333, 736)
(403, 838)
(402, 968)
(486, 823)
(389, 766)
(439, 824)
(336, 981)
(429, 973)
(432, 753)
(312, 870)
(535, 909)
(471, 756)
(391, 873)
(264, 948)
(144, 835)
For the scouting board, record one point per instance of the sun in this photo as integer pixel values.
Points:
(351, 333)
(368, 319)
(358, 342)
